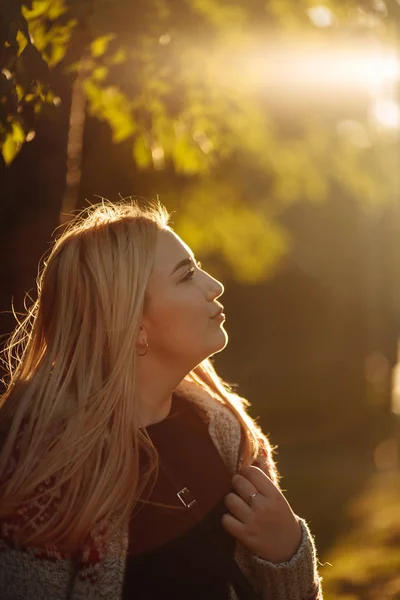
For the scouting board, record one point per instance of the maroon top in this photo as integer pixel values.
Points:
(182, 552)
(183, 442)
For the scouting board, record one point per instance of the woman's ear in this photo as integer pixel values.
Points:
(142, 345)
(142, 334)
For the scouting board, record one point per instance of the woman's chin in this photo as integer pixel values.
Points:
(220, 341)
(216, 344)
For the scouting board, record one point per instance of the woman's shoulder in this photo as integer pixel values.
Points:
(228, 431)
(212, 408)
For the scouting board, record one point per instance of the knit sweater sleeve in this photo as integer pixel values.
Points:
(296, 579)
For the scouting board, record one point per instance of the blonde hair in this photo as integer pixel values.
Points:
(69, 407)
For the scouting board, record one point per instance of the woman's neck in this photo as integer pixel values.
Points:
(154, 388)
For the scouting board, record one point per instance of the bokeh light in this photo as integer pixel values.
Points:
(321, 16)
(387, 113)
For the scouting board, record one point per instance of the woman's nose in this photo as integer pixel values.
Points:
(215, 290)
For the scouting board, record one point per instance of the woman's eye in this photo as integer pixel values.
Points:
(188, 275)
(191, 271)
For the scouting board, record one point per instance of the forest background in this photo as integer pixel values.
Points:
(271, 130)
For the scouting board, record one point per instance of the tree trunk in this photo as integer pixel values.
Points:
(75, 145)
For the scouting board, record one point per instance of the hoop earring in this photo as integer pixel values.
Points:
(145, 352)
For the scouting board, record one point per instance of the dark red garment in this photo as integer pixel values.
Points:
(173, 553)
(183, 442)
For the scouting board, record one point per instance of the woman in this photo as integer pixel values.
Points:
(128, 469)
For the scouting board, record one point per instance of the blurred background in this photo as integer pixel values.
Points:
(271, 131)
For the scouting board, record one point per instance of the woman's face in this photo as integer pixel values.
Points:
(180, 319)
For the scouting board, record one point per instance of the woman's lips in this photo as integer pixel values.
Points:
(219, 317)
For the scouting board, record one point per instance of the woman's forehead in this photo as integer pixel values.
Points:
(170, 249)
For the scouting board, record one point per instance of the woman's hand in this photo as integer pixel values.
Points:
(266, 524)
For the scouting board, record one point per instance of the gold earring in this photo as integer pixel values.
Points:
(145, 352)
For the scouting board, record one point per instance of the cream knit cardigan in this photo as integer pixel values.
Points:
(33, 574)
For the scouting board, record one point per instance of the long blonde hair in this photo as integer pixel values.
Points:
(69, 408)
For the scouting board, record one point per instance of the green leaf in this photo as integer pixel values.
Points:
(56, 9)
(39, 35)
(100, 73)
(22, 42)
(123, 127)
(118, 57)
(99, 46)
(13, 143)
(111, 105)
(57, 41)
(93, 94)
(39, 8)
(141, 153)
(56, 56)
(20, 92)
(187, 157)
(214, 222)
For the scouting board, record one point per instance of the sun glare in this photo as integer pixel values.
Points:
(306, 68)
(387, 113)
(321, 16)
(342, 67)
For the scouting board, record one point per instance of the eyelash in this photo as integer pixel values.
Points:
(190, 273)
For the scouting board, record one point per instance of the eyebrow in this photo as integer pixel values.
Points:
(182, 263)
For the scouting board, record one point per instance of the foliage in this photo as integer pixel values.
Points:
(365, 563)
(35, 38)
(166, 75)
(247, 238)
(152, 70)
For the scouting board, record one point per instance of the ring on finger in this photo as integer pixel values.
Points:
(251, 498)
